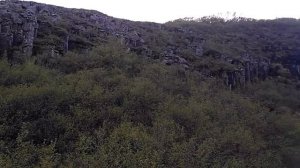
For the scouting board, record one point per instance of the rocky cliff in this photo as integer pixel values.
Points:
(30, 29)
(18, 29)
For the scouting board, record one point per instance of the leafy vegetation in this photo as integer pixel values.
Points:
(112, 108)
(273, 39)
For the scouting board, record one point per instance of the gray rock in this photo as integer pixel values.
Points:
(18, 27)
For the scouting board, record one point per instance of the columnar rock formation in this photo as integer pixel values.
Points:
(18, 27)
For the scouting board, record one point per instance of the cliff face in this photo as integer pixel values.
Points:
(18, 27)
(30, 29)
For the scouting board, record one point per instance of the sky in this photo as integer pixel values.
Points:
(166, 10)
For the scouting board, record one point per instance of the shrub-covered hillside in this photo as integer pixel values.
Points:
(111, 108)
(79, 88)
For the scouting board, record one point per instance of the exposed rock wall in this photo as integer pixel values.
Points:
(18, 28)
(29, 28)
(248, 71)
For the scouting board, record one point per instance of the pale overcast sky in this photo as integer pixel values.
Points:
(166, 10)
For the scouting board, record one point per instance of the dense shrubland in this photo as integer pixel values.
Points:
(273, 39)
(112, 108)
(72, 96)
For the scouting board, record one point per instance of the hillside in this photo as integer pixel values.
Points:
(79, 88)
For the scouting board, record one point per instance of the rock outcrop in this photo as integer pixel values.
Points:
(18, 27)
(29, 28)
(170, 57)
(248, 70)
